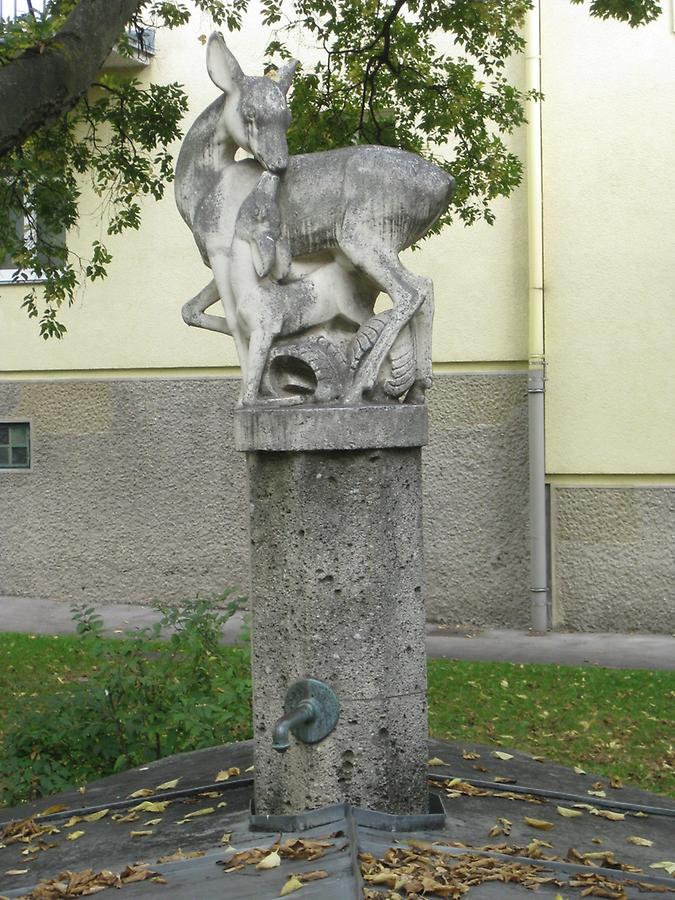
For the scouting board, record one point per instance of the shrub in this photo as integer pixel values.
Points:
(143, 699)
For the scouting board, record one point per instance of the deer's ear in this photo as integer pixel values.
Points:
(285, 75)
(222, 67)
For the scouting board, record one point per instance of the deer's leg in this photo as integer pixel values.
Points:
(220, 265)
(193, 311)
(408, 293)
(258, 350)
(422, 323)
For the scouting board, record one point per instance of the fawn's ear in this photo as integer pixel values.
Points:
(263, 253)
(285, 75)
(222, 67)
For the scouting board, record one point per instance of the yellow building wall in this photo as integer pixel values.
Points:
(131, 321)
(609, 219)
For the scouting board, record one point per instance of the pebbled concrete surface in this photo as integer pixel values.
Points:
(614, 557)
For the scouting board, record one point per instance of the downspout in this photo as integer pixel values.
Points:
(536, 357)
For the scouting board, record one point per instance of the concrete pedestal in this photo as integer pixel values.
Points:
(336, 594)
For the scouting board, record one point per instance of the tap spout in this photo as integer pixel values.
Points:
(306, 711)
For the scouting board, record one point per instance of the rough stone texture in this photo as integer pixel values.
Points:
(614, 558)
(330, 427)
(136, 493)
(475, 500)
(336, 589)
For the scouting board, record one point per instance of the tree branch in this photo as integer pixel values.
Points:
(49, 79)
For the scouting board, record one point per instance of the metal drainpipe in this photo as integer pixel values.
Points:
(536, 358)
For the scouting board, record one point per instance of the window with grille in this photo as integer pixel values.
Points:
(14, 445)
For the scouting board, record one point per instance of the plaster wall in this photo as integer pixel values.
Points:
(609, 218)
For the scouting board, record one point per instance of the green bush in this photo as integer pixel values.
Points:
(143, 699)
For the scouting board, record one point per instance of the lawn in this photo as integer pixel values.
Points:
(613, 722)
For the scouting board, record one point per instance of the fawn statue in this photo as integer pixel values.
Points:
(340, 219)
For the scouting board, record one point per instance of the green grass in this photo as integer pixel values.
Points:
(617, 722)
(32, 665)
(613, 722)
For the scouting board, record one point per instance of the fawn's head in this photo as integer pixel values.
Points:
(255, 114)
(259, 223)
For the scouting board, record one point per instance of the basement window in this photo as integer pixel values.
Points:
(14, 445)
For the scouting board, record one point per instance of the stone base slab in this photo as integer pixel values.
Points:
(284, 428)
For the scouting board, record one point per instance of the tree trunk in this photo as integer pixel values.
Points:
(47, 80)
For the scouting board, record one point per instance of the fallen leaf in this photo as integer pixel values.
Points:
(542, 824)
(57, 807)
(167, 785)
(312, 876)
(579, 770)
(271, 861)
(145, 832)
(293, 884)
(221, 804)
(469, 754)
(151, 822)
(499, 754)
(668, 866)
(568, 813)
(16, 872)
(608, 814)
(435, 761)
(639, 841)
(597, 793)
(250, 769)
(74, 835)
(226, 838)
(178, 855)
(142, 792)
(73, 820)
(121, 820)
(199, 812)
(95, 816)
(505, 779)
(150, 806)
(224, 774)
(501, 826)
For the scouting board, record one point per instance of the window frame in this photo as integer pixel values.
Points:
(23, 420)
(25, 276)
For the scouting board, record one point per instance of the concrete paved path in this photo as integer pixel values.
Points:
(623, 651)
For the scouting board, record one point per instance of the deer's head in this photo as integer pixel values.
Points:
(255, 114)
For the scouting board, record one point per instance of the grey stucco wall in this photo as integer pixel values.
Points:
(614, 558)
(136, 494)
(475, 500)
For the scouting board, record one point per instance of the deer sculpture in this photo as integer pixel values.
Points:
(362, 204)
(269, 308)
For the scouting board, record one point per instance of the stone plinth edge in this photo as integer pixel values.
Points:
(283, 429)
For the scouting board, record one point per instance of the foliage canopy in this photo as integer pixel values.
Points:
(418, 74)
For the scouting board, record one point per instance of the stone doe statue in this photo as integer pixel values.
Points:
(301, 246)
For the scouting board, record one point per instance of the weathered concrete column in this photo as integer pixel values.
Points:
(336, 595)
